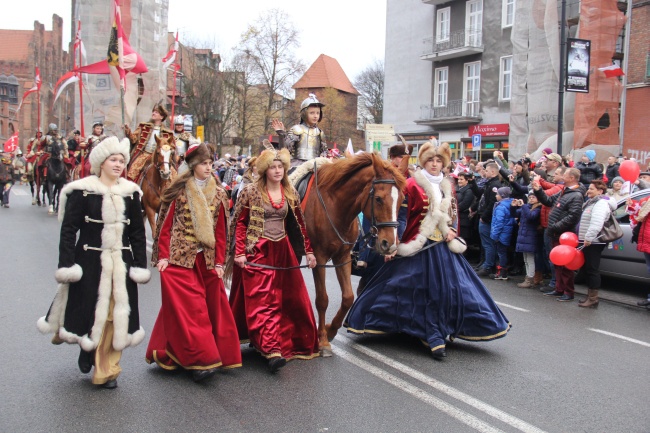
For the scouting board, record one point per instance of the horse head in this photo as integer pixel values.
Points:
(383, 203)
(164, 156)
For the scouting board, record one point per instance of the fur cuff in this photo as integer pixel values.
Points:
(140, 275)
(68, 275)
(457, 245)
(45, 327)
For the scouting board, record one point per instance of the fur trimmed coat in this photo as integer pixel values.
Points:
(108, 259)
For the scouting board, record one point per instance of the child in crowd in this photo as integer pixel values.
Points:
(503, 225)
(528, 214)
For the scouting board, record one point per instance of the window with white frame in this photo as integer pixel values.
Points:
(505, 79)
(472, 89)
(441, 87)
(508, 13)
(474, 23)
(443, 20)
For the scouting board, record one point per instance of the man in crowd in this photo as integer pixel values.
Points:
(611, 171)
(553, 161)
(566, 209)
(486, 205)
(589, 168)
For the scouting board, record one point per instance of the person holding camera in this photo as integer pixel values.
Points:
(529, 236)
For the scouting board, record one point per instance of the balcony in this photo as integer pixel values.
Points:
(457, 113)
(435, 2)
(459, 44)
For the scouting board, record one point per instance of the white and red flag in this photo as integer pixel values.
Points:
(170, 58)
(35, 88)
(78, 46)
(612, 71)
(11, 144)
(121, 58)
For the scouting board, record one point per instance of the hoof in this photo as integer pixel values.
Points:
(331, 333)
(326, 352)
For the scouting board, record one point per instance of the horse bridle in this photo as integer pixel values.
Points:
(157, 164)
(375, 226)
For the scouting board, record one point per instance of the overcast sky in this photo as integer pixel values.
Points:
(351, 31)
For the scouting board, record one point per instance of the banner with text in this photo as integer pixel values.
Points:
(577, 65)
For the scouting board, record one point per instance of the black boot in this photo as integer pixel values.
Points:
(276, 364)
(86, 361)
(201, 375)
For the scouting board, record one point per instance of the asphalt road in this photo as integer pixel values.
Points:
(560, 369)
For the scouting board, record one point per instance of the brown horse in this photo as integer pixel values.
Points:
(340, 191)
(157, 176)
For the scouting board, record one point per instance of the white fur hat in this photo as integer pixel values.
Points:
(107, 147)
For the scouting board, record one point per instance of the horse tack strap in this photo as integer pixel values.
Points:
(277, 268)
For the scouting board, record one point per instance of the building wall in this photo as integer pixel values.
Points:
(407, 83)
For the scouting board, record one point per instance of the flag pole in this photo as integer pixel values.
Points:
(81, 98)
(38, 110)
(174, 91)
(122, 106)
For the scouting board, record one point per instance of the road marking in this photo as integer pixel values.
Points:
(512, 307)
(622, 337)
(19, 192)
(446, 389)
(416, 392)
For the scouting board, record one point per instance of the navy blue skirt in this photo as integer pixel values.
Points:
(432, 295)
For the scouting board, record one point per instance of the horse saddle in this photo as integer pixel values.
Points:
(302, 185)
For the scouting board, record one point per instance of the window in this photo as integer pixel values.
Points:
(441, 86)
(472, 89)
(443, 24)
(508, 13)
(474, 23)
(505, 79)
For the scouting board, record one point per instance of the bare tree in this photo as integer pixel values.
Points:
(338, 122)
(370, 83)
(269, 43)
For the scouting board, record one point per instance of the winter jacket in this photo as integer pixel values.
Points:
(464, 200)
(549, 188)
(641, 216)
(589, 171)
(611, 171)
(503, 224)
(489, 199)
(595, 212)
(566, 209)
(528, 225)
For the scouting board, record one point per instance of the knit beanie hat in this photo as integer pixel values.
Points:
(504, 192)
(591, 154)
(618, 179)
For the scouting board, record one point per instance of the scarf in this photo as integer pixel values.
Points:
(199, 200)
(435, 183)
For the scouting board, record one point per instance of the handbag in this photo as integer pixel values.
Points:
(611, 230)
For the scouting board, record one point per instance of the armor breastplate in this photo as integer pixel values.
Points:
(309, 144)
(151, 143)
(181, 147)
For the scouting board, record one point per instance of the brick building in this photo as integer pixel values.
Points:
(635, 138)
(20, 52)
(326, 79)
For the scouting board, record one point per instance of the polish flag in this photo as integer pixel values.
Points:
(612, 71)
(35, 88)
(171, 55)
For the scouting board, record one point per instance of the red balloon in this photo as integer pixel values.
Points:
(577, 262)
(562, 254)
(629, 170)
(569, 238)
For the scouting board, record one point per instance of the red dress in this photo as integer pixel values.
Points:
(195, 328)
(272, 307)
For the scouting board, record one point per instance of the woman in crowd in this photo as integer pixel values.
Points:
(465, 198)
(615, 192)
(96, 304)
(529, 237)
(429, 291)
(595, 213)
(195, 329)
(271, 306)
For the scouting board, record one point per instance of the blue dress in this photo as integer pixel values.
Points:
(431, 295)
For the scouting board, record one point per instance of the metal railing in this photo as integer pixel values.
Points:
(466, 38)
(455, 108)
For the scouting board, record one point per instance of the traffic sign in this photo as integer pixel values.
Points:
(476, 142)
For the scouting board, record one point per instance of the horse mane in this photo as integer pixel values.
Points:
(340, 172)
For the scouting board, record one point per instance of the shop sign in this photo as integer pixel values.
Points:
(493, 130)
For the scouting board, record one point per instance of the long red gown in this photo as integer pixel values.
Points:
(195, 328)
(272, 307)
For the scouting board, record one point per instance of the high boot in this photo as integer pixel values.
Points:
(592, 299)
(538, 279)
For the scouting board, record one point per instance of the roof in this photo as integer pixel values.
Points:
(325, 72)
(15, 44)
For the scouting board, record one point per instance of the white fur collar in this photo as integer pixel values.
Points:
(93, 184)
(306, 167)
(436, 217)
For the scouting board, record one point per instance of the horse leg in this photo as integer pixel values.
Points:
(151, 217)
(31, 187)
(347, 295)
(50, 196)
(321, 307)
